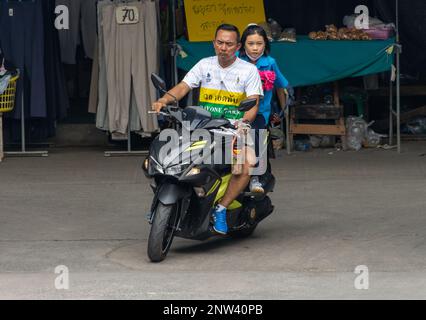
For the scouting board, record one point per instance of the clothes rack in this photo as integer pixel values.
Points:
(24, 152)
(129, 151)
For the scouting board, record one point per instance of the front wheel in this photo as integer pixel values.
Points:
(162, 232)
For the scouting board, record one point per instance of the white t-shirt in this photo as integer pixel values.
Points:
(222, 88)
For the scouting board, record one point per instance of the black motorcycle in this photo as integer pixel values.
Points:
(187, 191)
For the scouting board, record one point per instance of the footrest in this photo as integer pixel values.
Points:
(256, 195)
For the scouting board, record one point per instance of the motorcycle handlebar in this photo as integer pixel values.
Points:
(164, 111)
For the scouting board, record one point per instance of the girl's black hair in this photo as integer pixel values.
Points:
(254, 29)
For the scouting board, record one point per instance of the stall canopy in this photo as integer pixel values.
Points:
(309, 62)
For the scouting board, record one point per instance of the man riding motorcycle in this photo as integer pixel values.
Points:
(224, 81)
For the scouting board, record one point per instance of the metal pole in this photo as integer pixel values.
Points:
(22, 118)
(1, 137)
(391, 112)
(287, 129)
(173, 51)
(398, 82)
(398, 100)
(397, 20)
(129, 131)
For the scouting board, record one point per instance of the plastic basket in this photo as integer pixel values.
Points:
(380, 33)
(7, 99)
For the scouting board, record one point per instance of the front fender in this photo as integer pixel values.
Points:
(170, 193)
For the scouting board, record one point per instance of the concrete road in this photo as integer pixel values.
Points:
(347, 225)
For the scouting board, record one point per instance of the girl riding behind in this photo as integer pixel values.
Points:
(256, 50)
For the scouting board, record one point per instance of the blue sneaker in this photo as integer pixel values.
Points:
(219, 218)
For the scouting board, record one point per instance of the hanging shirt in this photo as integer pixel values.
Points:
(222, 89)
(4, 83)
(271, 77)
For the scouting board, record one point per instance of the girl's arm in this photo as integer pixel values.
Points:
(282, 97)
(281, 83)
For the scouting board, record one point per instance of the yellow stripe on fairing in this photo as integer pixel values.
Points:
(197, 145)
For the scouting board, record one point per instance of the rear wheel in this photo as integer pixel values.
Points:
(162, 232)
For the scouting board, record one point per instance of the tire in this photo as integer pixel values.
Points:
(162, 232)
(243, 233)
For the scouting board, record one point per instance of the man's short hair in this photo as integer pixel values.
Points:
(229, 27)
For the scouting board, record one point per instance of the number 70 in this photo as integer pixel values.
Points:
(129, 14)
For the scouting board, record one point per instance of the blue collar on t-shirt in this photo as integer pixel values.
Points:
(263, 62)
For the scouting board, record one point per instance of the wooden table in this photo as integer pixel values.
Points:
(317, 112)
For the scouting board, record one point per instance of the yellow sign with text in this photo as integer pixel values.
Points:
(204, 16)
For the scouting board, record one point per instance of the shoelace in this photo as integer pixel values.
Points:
(220, 217)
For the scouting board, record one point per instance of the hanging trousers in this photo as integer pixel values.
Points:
(98, 102)
(131, 55)
(56, 94)
(82, 17)
(22, 41)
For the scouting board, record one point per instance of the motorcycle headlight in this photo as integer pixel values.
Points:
(177, 169)
(193, 172)
(146, 164)
(153, 166)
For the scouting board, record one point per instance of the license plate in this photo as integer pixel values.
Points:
(127, 15)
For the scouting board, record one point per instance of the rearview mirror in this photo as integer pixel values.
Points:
(247, 105)
(159, 83)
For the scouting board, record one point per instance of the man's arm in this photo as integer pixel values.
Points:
(191, 80)
(250, 115)
(179, 91)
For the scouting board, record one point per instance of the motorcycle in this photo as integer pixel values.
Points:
(186, 193)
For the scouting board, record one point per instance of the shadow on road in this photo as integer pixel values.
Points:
(219, 242)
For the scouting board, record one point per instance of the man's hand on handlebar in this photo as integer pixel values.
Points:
(157, 106)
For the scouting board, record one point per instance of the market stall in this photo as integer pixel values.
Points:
(309, 62)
